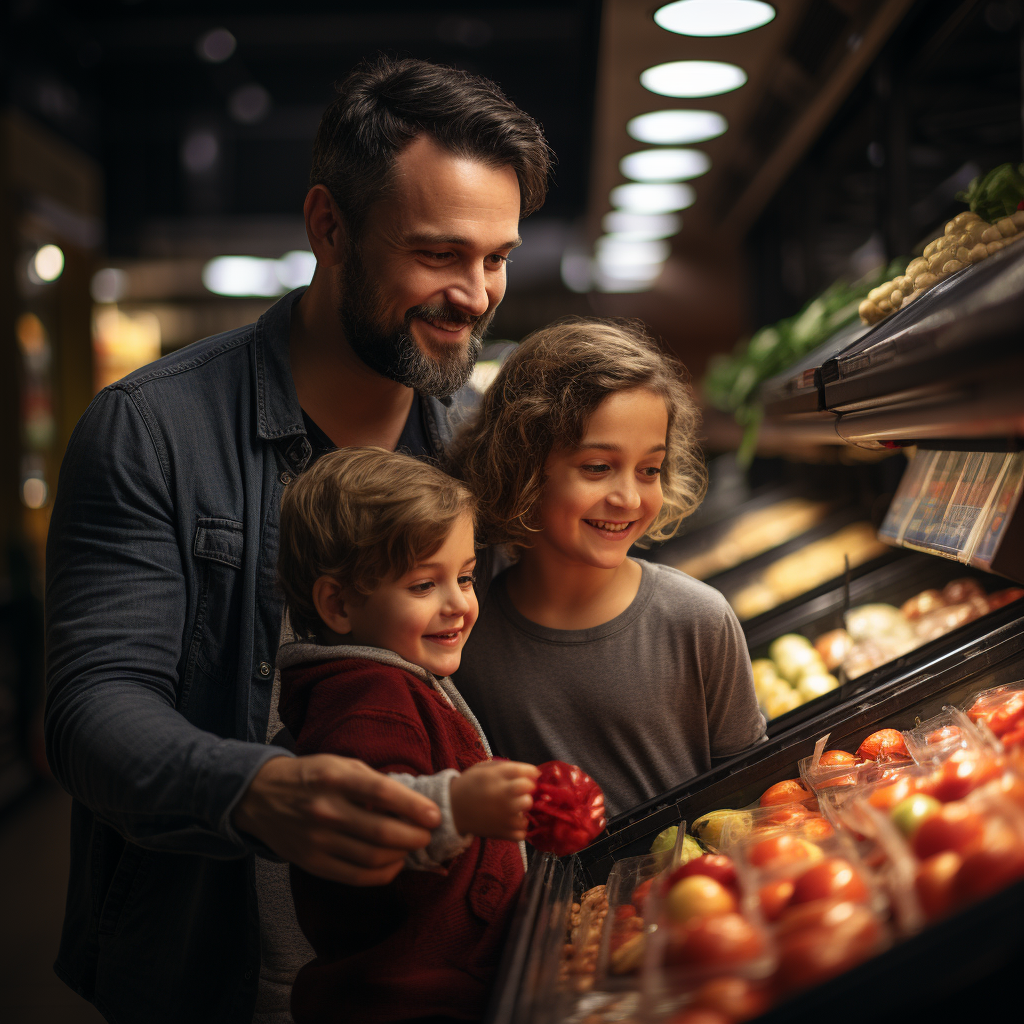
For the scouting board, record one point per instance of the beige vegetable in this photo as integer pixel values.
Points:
(965, 218)
(937, 261)
(916, 266)
(916, 294)
(978, 253)
(991, 234)
(885, 305)
(869, 312)
(929, 249)
(896, 298)
(946, 242)
(976, 230)
(1018, 219)
(995, 246)
(1006, 227)
(963, 255)
(878, 293)
(952, 266)
(951, 226)
(925, 280)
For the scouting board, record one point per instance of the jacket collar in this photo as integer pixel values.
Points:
(279, 415)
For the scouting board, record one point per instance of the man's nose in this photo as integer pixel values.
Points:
(468, 291)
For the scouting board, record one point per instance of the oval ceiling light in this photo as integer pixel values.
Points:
(48, 263)
(713, 17)
(650, 198)
(693, 78)
(641, 227)
(664, 164)
(677, 127)
(616, 252)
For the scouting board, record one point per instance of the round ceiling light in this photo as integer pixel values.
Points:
(664, 164)
(693, 78)
(713, 17)
(651, 198)
(617, 253)
(676, 127)
(641, 227)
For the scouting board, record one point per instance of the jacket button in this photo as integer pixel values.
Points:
(285, 477)
(264, 668)
(248, 975)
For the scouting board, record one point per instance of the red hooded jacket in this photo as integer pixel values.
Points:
(428, 943)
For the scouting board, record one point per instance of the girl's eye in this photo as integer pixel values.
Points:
(596, 467)
(467, 580)
(652, 471)
(422, 588)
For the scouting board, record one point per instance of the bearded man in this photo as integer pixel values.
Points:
(163, 620)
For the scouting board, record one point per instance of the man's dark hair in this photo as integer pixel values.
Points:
(384, 104)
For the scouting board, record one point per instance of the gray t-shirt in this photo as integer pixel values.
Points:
(641, 703)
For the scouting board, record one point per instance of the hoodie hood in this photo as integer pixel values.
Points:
(303, 664)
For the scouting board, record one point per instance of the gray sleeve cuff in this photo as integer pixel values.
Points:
(445, 842)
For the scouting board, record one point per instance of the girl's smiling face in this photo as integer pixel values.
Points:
(600, 498)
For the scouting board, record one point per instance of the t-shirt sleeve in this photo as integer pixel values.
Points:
(735, 721)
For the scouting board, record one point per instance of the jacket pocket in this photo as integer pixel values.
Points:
(495, 880)
(208, 694)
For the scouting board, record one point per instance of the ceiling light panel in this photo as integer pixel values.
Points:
(641, 227)
(677, 127)
(664, 164)
(713, 17)
(693, 78)
(651, 198)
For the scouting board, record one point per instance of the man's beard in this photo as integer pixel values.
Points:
(392, 351)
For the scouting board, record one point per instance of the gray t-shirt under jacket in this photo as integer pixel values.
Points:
(641, 703)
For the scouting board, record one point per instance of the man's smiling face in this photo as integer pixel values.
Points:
(422, 281)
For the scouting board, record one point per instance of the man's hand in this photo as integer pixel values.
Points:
(331, 816)
(490, 799)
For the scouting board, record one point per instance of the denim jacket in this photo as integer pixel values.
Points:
(162, 626)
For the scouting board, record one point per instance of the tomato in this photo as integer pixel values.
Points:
(962, 773)
(1013, 738)
(640, 893)
(779, 850)
(908, 814)
(836, 759)
(817, 828)
(791, 791)
(934, 883)
(738, 998)
(1004, 597)
(958, 591)
(993, 867)
(832, 877)
(785, 815)
(886, 798)
(722, 940)
(698, 896)
(775, 897)
(811, 955)
(947, 732)
(626, 910)
(953, 827)
(713, 865)
(884, 745)
(1008, 715)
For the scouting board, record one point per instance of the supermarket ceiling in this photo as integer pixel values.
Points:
(202, 113)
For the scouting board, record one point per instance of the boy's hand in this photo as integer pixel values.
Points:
(491, 799)
(333, 816)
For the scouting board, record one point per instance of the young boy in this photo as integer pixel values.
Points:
(376, 563)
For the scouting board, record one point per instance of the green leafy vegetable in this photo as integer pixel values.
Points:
(996, 194)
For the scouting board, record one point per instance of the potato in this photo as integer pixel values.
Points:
(916, 266)
(978, 253)
(963, 255)
(869, 312)
(946, 242)
(896, 298)
(976, 230)
(952, 266)
(885, 306)
(904, 283)
(1018, 219)
(929, 249)
(965, 218)
(951, 226)
(995, 246)
(878, 293)
(1006, 227)
(925, 280)
(991, 234)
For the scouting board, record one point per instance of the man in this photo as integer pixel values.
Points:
(163, 620)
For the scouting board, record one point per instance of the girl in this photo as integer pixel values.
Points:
(585, 445)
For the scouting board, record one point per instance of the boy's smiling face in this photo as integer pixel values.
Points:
(424, 616)
(600, 498)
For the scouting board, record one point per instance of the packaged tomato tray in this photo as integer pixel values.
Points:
(999, 712)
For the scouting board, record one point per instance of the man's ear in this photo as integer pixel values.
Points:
(325, 227)
(332, 603)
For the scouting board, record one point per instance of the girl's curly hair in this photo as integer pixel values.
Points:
(541, 401)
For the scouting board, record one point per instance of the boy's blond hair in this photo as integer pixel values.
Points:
(362, 516)
(541, 401)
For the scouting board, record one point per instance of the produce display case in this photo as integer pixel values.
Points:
(943, 960)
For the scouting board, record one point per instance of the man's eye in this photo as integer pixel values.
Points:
(498, 260)
(422, 588)
(596, 467)
(438, 257)
(467, 580)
